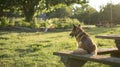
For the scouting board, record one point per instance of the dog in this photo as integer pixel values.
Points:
(85, 44)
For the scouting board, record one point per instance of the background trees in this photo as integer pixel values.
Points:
(85, 14)
(31, 7)
(89, 15)
(7, 6)
(64, 11)
(105, 13)
(28, 9)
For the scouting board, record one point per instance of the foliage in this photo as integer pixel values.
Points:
(105, 13)
(37, 23)
(56, 9)
(36, 49)
(7, 6)
(63, 22)
(4, 22)
(89, 15)
(64, 11)
(12, 22)
(29, 7)
(84, 14)
(57, 23)
(22, 23)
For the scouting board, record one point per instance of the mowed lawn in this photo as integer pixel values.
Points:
(35, 49)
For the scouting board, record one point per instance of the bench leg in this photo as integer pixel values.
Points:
(117, 42)
(116, 53)
(69, 62)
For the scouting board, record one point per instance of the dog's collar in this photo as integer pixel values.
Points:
(80, 34)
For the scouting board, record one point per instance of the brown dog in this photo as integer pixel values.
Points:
(85, 44)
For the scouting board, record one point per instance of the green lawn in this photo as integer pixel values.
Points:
(35, 49)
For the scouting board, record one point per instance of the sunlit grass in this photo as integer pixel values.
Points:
(35, 49)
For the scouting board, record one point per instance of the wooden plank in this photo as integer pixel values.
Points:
(98, 58)
(107, 50)
(112, 36)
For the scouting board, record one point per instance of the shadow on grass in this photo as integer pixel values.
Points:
(4, 38)
(18, 30)
(2, 44)
(93, 30)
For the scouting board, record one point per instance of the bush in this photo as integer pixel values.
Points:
(18, 23)
(43, 23)
(22, 23)
(0, 23)
(25, 24)
(11, 23)
(36, 23)
(64, 22)
(4, 22)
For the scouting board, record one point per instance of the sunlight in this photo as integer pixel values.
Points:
(97, 3)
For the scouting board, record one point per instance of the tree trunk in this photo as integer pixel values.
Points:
(28, 10)
(29, 13)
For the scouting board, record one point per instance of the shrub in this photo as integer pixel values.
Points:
(22, 23)
(4, 22)
(64, 22)
(42, 23)
(25, 24)
(0, 23)
(34, 25)
(11, 23)
(18, 23)
(37, 23)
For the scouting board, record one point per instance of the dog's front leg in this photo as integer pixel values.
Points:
(79, 44)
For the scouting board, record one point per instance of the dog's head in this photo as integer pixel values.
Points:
(76, 30)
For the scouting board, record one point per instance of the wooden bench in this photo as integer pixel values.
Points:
(116, 38)
(74, 60)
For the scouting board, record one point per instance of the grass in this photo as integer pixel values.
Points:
(35, 49)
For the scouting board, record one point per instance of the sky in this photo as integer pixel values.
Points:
(97, 3)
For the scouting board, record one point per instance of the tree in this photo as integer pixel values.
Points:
(6, 6)
(91, 12)
(64, 11)
(30, 7)
(85, 14)
(105, 13)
